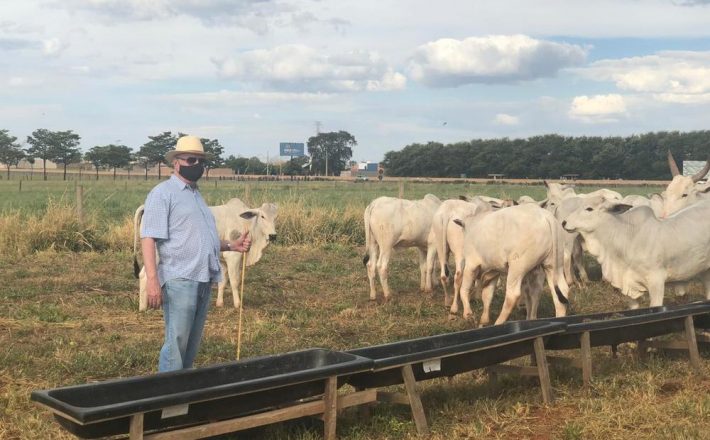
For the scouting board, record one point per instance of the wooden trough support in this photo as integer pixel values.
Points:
(539, 370)
(446, 355)
(641, 326)
(326, 407)
(689, 343)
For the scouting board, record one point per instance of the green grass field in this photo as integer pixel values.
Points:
(70, 317)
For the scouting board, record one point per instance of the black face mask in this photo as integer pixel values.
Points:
(192, 173)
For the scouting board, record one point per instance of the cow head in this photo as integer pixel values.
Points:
(262, 229)
(591, 213)
(682, 190)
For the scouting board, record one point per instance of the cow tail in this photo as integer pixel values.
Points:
(366, 258)
(556, 247)
(136, 238)
(444, 244)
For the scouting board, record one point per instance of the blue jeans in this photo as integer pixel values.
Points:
(185, 305)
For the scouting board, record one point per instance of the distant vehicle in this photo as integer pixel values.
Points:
(361, 178)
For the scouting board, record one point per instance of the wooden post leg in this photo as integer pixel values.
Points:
(363, 411)
(330, 411)
(586, 359)
(692, 343)
(641, 348)
(614, 351)
(414, 401)
(542, 371)
(136, 427)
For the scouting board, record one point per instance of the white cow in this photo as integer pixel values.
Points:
(232, 219)
(392, 223)
(514, 240)
(683, 191)
(557, 192)
(446, 236)
(640, 253)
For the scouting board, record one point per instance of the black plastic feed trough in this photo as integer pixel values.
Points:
(639, 325)
(189, 397)
(613, 328)
(451, 353)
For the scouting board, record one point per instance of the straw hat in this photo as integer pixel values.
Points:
(187, 145)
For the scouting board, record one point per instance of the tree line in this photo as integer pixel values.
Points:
(63, 148)
(642, 157)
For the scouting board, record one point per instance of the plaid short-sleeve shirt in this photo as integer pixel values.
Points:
(184, 229)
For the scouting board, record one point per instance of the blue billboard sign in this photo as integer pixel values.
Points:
(291, 149)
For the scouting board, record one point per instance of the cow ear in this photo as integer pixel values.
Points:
(618, 208)
(704, 190)
(459, 222)
(464, 198)
(515, 203)
(247, 215)
(543, 203)
(270, 209)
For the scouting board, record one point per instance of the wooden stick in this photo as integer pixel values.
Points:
(241, 301)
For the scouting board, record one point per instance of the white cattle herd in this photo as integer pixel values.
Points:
(642, 243)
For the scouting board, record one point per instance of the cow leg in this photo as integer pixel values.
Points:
(372, 270)
(531, 291)
(567, 264)
(458, 278)
(424, 274)
(469, 276)
(512, 294)
(560, 308)
(578, 262)
(221, 285)
(142, 291)
(656, 289)
(633, 304)
(382, 262)
(705, 278)
(233, 261)
(487, 293)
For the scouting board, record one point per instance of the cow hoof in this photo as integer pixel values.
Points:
(453, 317)
(219, 304)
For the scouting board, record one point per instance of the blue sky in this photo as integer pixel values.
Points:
(256, 73)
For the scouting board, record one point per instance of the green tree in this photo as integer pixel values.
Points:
(10, 151)
(40, 147)
(65, 149)
(330, 152)
(117, 156)
(294, 167)
(213, 146)
(58, 146)
(153, 152)
(97, 156)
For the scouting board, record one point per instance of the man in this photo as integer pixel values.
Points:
(178, 223)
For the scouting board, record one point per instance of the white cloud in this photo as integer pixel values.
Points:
(598, 108)
(53, 47)
(492, 59)
(671, 76)
(229, 98)
(303, 68)
(505, 119)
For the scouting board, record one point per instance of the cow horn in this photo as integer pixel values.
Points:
(673, 166)
(700, 174)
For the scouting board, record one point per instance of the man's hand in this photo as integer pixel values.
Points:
(241, 244)
(154, 293)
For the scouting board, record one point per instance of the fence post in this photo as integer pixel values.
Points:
(80, 203)
(247, 195)
(20, 188)
(401, 189)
